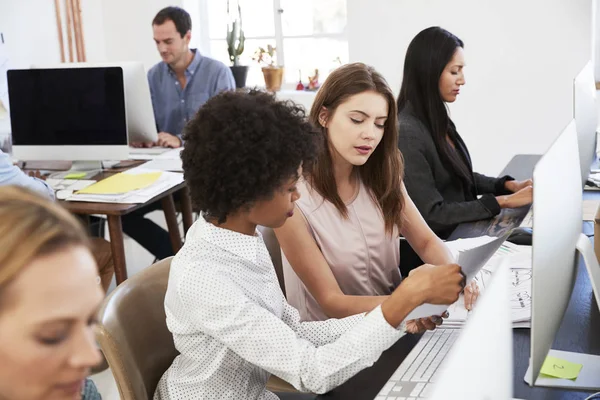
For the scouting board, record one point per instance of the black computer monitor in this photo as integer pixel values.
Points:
(68, 113)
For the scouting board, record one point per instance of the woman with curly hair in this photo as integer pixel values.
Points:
(341, 249)
(243, 156)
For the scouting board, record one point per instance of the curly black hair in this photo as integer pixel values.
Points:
(240, 147)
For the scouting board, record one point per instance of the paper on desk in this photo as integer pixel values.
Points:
(142, 157)
(165, 164)
(122, 182)
(174, 154)
(554, 367)
(590, 207)
(470, 260)
(518, 259)
(166, 181)
(69, 184)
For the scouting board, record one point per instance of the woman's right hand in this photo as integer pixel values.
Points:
(518, 199)
(437, 284)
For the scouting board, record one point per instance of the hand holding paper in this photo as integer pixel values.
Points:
(470, 261)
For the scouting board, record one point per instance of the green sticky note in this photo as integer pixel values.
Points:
(75, 175)
(556, 368)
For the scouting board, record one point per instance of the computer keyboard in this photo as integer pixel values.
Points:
(528, 220)
(414, 377)
(148, 150)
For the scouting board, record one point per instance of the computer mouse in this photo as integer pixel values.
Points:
(521, 235)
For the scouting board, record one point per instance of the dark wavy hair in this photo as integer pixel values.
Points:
(180, 17)
(382, 173)
(240, 147)
(427, 56)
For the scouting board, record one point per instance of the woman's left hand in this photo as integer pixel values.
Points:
(471, 294)
(425, 324)
(515, 186)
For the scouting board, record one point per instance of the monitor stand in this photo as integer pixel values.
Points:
(84, 166)
(589, 376)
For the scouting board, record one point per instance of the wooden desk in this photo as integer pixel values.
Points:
(114, 212)
(579, 331)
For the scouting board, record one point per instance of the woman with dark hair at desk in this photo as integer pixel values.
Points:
(439, 175)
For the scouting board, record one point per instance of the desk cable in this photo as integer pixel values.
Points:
(594, 396)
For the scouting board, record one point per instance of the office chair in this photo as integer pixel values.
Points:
(133, 334)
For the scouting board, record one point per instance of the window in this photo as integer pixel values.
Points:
(308, 35)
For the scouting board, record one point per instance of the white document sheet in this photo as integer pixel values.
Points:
(471, 261)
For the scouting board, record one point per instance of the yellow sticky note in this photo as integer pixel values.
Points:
(122, 183)
(76, 175)
(556, 368)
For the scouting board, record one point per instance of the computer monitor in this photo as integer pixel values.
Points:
(585, 114)
(141, 124)
(68, 114)
(557, 238)
(479, 364)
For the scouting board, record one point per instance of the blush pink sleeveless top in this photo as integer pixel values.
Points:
(362, 257)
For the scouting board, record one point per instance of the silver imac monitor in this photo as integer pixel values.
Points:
(68, 114)
(486, 340)
(141, 124)
(585, 114)
(557, 242)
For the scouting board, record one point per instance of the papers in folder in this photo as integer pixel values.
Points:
(137, 185)
(122, 183)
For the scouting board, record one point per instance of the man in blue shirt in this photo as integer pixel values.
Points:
(179, 85)
(184, 80)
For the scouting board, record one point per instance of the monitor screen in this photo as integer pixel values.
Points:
(70, 107)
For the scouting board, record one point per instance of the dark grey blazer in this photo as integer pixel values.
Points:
(442, 197)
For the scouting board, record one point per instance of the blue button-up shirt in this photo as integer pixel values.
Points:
(11, 175)
(174, 106)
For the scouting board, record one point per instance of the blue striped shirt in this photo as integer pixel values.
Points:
(12, 175)
(174, 107)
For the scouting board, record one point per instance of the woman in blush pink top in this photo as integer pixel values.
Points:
(341, 246)
(362, 258)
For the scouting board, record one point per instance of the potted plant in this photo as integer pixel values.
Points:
(273, 73)
(235, 46)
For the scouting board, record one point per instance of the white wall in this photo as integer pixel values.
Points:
(31, 34)
(522, 57)
(26, 24)
(128, 29)
(596, 37)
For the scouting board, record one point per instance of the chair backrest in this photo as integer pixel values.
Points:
(275, 252)
(133, 332)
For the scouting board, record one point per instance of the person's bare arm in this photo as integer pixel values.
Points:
(308, 263)
(430, 248)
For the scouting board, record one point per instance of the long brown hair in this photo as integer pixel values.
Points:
(31, 227)
(382, 173)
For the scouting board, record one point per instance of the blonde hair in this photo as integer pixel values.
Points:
(30, 227)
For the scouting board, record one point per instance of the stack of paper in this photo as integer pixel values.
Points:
(508, 255)
(136, 185)
(169, 161)
(69, 184)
